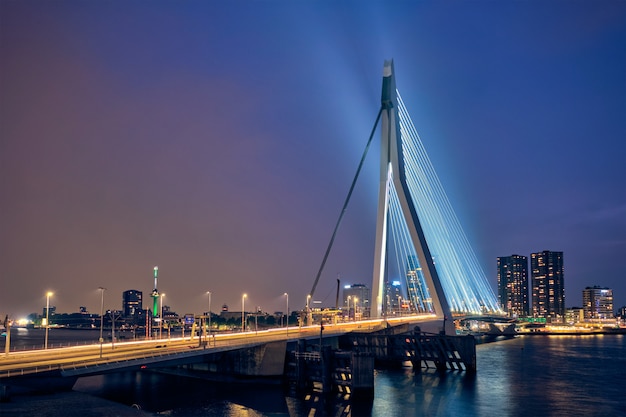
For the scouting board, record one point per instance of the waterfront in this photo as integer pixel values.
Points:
(528, 375)
(29, 339)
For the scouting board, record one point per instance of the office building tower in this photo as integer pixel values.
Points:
(548, 289)
(597, 303)
(513, 285)
(131, 303)
(394, 297)
(357, 299)
(418, 294)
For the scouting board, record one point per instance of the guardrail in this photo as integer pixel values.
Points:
(163, 349)
(29, 371)
(153, 357)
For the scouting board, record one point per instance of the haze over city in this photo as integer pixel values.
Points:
(219, 140)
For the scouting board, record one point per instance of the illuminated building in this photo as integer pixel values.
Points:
(548, 289)
(513, 285)
(419, 296)
(131, 302)
(597, 303)
(361, 293)
(574, 315)
(394, 296)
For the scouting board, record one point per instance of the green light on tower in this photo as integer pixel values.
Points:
(155, 293)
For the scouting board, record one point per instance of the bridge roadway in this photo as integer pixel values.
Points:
(70, 360)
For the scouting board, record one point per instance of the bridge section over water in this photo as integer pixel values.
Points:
(255, 356)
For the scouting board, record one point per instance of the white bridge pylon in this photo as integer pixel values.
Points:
(455, 283)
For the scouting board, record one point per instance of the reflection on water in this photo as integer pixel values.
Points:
(426, 393)
(531, 375)
(176, 395)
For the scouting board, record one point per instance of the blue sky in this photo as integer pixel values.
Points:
(218, 140)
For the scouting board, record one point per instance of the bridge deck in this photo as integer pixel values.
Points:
(87, 360)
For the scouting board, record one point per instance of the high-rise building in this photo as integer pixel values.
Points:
(361, 294)
(548, 289)
(418, 293)
(513, 285)
(597, 303)
(394, 297)
(131, 303)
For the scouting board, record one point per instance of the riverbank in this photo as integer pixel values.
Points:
(572, 333)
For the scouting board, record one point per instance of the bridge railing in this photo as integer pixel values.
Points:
(308, 356)
(28, 370)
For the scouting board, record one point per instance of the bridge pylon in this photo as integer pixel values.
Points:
(392, 174)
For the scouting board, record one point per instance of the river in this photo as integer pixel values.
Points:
(525, 376)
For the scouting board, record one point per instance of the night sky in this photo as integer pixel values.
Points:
(218, 140)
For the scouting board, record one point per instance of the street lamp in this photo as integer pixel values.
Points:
(209, 293)
(308, 310)
(161, 318)
(48, 295)
(243, 325)
(102, 289)
(355, 301)
(348, 302)
(287, 316)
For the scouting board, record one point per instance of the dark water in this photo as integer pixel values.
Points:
(525, 376)
(29, 339)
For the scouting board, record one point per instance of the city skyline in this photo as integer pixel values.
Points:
(395, 295)
(219, 141)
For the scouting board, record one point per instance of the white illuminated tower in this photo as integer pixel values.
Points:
(392, 173)
(416, 223)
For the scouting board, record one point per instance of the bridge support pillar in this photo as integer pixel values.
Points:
(327, 369)
(362, 374)
(301, 377)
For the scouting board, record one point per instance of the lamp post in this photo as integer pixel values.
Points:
(7, 328)
(287, 316)
(308, 310)
(209, 292)
(48, 295)
(348, 302)
(243, 309)
(161, 318)
(112, 314)
(355, 301)
(102, 289)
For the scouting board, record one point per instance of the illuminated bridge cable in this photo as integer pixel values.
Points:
(345, 204)
(407, 262)
(462, 278)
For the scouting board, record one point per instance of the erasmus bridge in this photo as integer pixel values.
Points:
(443, 273)
(417, 228)
(417, 233)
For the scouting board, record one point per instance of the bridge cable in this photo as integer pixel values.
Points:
(345, 204)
